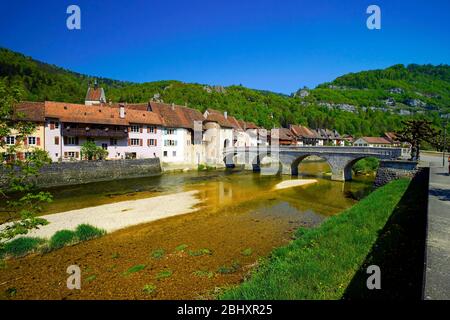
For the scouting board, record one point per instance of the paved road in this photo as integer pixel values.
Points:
(437, 273)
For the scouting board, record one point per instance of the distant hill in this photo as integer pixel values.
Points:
(364, 103)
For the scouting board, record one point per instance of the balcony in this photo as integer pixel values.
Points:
(95, 132)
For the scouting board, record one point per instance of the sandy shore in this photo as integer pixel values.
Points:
(119, 215)
(294, 183)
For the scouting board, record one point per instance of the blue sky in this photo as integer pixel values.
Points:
(263, 44)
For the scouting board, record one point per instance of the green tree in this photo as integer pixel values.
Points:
(415, 132)
(19, 176)
(90, 151)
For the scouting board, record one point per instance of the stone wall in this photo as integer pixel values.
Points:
(394, 169)
(79, 172)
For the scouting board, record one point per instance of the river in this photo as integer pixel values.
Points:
(240, 219)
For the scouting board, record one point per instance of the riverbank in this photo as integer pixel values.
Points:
(119, 215)
(324, 262)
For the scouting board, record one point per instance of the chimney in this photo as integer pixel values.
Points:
(122, 111)
(225, 114)
(173, 106)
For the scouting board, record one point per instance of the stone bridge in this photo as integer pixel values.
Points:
(340, 159)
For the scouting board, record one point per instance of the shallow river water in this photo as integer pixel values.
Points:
(240, 218)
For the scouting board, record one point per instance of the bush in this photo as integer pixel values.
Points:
(22, 246)
(62, 238)
(87, 232)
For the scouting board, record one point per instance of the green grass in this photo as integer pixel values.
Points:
(164, 274)
(26, 245)
(62, 238)
(322, 261)
(22, 246)
(158, 253)
(134, 269)
(86, 232)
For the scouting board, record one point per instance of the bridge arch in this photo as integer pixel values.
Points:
(295, 164)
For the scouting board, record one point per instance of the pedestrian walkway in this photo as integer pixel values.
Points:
(437, 272)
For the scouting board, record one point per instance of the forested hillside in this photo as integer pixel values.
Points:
(364, 103)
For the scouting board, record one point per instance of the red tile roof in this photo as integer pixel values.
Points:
(302, 131)
(376, 140)
(103, 114)
(177, 116)
(219, 117)
(29, 111)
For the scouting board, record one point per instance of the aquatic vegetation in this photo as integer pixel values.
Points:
(201, 252)
(158, 253)
(115, 255)
(134, 269)
(91, 278)
(164, 274)
(181, 247)
(247, 252)
(235, 266)
(203, 273)
(149, 288)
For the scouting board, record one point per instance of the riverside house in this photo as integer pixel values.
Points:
(26, 111)
(123, 132)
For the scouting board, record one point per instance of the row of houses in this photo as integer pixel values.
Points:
(173, 133)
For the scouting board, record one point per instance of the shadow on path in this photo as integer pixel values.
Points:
(399, 250)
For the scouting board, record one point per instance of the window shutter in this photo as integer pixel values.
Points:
(156, 142)
(65, 154)
(148, 142)
(129, 129)
(129, 142)
(140, 142)
(65, 140)
(25, 141)
(140, 129)
(148, 129)
(77, 154)
(38, 141)
(52, 125)
(154, 130)
(56, 140)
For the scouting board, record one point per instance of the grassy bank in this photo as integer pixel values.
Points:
(322, 262)
(25, 245)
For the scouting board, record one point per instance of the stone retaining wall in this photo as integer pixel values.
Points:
(79, 172)
(394, 169)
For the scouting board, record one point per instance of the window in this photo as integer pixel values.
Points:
(170, 142)
(174, 153)
(56, 125)
(10, 140)
(104, 146)
(72, 140)
(56, 140)
(135, 142)
(165, 153)
(134, 129)
(90, 139)
(31, 141)
(151, 130)
(170, 131)
(113, 142)
(151, 142)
